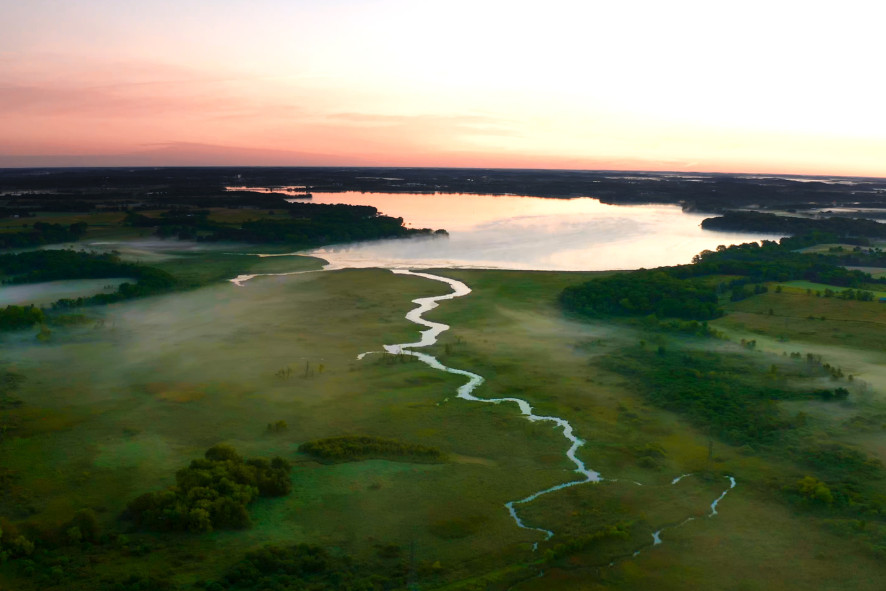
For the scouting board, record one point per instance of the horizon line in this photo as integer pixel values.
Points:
(407, 167)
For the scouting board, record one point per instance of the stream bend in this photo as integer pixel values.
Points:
(465, 392)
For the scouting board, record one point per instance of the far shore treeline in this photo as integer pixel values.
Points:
(308, 225)
(847, 229)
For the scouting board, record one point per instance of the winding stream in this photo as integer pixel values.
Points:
(465, 392)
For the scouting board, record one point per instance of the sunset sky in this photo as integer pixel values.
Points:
(776, 86)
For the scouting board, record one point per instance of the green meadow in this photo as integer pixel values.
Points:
(111, 408)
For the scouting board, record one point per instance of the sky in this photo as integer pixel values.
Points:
(774, 86)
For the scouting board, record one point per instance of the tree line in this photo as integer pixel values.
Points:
(308, 224)
(770, 223)
(53, 265)
(43, 233)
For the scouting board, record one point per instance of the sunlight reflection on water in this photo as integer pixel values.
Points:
(511, 232)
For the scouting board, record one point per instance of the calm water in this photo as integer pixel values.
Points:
(511, 232)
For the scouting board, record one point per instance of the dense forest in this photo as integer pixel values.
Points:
(692, 292)
(642, 293)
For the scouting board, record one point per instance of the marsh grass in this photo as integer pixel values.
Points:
(528, 347)
(111, 410)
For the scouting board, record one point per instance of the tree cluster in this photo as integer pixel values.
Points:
(770, 223)
(309, 568)
(212, 493)
(720, 391)
(641, 293)
(43, 233)
(19, 317)
(359, 447)
(313, 224)
(772, 261)
(685, 292)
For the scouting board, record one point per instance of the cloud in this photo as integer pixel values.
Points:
(111, 101)
(186, 154)
(453, 127)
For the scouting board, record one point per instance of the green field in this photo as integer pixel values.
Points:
(112, 408)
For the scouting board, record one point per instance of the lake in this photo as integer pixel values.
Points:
(515, 232)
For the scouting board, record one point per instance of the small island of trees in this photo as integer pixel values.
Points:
(360, 447)
(212, 493)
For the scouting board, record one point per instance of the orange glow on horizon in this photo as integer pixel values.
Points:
(491, 84)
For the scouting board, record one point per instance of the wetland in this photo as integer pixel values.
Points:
(485, 432)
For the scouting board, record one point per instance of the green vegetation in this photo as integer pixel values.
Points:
(309, 224)
(10, 382)
(19, 317)
(776, 261)
(104, 411)
(49, 265)
(757, 221)
(43, 233)
(313, 224)
(723, 393)
(361, 447)
(312, 568)
(212, 493)
(695, 291)
(641, 293)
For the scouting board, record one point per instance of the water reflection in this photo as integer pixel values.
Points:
(512, 232)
